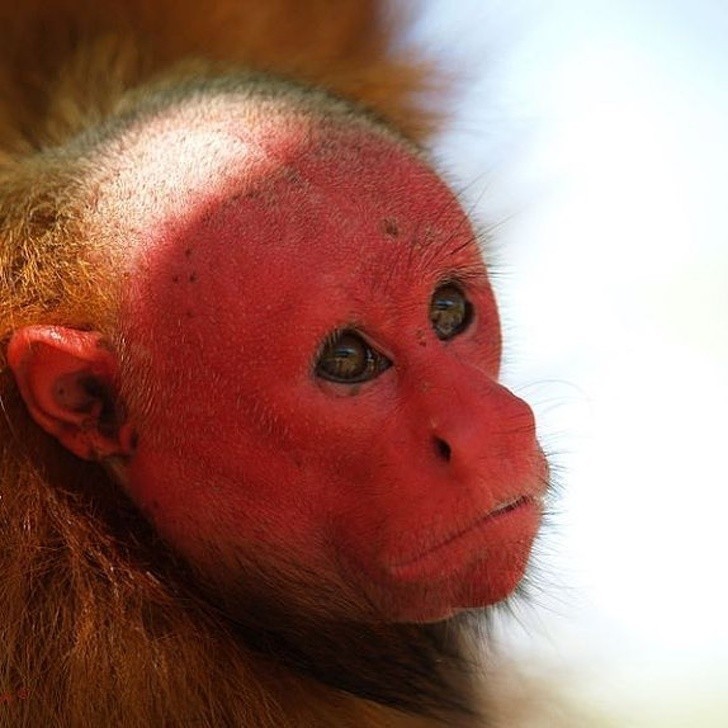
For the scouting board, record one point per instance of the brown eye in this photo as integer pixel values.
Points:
(450, 312)
(348, 359)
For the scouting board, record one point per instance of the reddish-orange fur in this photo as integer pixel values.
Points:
(97, 627)
(64, 64)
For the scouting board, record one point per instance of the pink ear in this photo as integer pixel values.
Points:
(68, 381)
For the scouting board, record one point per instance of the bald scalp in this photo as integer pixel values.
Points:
(178, 152)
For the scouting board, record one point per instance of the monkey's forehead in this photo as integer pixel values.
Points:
(170, 171)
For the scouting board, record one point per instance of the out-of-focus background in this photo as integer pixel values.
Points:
(593, 136)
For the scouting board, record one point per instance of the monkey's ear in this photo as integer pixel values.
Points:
(68, 381)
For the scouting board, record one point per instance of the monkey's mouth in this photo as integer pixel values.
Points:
(507, 516)
(506, 507)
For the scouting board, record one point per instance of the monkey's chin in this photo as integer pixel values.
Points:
(473, 589)
(478, 568)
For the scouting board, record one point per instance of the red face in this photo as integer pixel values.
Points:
(321, 347)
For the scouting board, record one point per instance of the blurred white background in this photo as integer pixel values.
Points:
(594, 136)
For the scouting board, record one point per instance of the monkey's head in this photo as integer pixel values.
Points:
(301, 387)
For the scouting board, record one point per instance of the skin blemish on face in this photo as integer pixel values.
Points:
(293, 177)
(390, 227)
(192, 278)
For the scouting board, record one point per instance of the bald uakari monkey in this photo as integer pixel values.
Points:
(256, 467)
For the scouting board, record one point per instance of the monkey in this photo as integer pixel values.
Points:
(256, 465)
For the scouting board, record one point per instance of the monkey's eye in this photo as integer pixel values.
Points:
(348, 359)
(450, 312)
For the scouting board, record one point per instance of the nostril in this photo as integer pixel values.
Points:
(443, 449)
